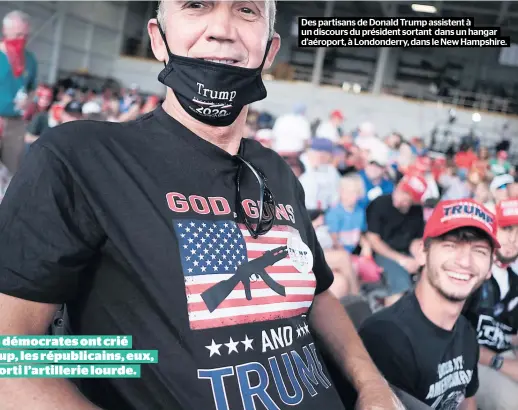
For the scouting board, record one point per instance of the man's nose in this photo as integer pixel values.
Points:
(463, 256)
(220, 26)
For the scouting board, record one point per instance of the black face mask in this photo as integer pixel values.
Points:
(210, 92)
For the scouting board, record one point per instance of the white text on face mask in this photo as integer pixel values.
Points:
(215, 94)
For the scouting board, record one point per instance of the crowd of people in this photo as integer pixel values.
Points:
(345, 209)
(370, 198)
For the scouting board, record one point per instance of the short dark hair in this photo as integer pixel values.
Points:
(465, 234)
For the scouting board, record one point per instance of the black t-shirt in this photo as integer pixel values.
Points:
(132, 225)
(396, 229)
(436, 366)
(493, 310)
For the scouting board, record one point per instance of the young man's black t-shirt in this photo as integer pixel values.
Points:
(134, 226)
(436, 366)
(396, 229)
(493, 310)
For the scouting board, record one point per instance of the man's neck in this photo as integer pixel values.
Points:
(226, 138)
(441, 312)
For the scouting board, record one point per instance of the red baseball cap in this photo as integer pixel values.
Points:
(507, 212)
(453, 214)
(415, 185)
(337, 114)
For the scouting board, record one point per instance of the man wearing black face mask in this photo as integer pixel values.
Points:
(175, 231)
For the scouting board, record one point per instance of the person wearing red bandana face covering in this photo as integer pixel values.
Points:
(493, 312)
(18, 70)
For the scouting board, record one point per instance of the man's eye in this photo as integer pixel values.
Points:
(195, 4)
(247, 10)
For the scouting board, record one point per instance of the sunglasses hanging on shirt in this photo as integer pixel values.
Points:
(266, 208)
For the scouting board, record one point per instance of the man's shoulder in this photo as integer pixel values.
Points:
(385, 325)
(387, 317)
(264, 155)
(80, 133)
(381, 201)
(81, 141)
(31, 56)
(465, 327)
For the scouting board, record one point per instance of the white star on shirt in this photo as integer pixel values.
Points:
(232, 346)
(214, 348)
(298, 331)
(248, 343)
(306, 328)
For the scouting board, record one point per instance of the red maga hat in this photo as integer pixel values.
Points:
(453, 214)
(507, 212)
(414, 185)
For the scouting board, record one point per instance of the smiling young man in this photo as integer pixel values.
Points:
(148, 228)
(493, 312)
(429, 349)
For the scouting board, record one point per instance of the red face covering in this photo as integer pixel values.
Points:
(15, 50)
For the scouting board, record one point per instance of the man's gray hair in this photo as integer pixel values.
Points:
(15, 16)
(270, 6)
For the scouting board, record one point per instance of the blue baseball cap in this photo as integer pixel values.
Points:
(322, 144)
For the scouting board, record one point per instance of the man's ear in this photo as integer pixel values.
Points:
(420, 253)
(274, 49)
(157, 42)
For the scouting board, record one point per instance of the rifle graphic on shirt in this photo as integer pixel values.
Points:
(216, 294)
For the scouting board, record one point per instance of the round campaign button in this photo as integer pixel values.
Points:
(300, 255)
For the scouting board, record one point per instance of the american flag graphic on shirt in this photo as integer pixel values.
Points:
(213, 251)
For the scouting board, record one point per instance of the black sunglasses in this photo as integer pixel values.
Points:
(266, 201)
